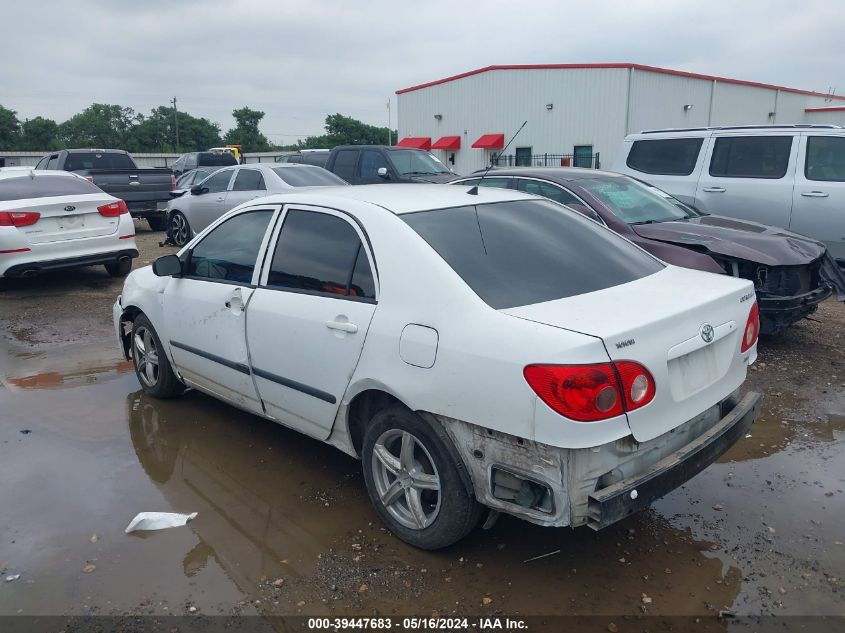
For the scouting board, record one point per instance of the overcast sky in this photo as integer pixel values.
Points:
(300, 60)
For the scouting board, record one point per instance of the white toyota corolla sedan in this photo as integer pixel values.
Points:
(475, 348)
(55, 219)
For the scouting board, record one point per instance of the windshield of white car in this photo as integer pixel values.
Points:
(414, 162)
(634, 202)
(523, 252)
(308, 176)
(45, 187)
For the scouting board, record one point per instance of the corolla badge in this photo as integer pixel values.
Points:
(707, 333)
(70, 207)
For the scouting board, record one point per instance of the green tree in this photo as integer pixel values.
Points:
(246, 132)
(157, 133)
(99, 125)
(10, 129)
(345, 130)
(39, 134)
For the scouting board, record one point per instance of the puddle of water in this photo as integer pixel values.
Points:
(275, 506)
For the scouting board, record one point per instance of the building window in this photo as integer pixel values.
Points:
(523, 157)
(583, 156)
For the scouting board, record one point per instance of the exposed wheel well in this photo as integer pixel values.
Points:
(128, 316)
(362, 409)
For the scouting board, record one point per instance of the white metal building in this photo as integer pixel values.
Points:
(577, 111)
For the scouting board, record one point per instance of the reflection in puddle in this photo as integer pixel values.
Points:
(275, 506)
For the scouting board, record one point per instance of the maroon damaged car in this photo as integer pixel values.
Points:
(792, 274)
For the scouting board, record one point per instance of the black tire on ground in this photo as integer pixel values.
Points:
(459, 512)
(160, 380)
(119, 269)
(178, 229)
(157, 222)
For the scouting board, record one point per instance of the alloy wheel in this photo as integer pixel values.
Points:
(179, 230)
(406, 479)
(145, 353)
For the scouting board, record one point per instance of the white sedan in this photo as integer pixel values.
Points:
(475, 347)
(51, 220)
(193, 210)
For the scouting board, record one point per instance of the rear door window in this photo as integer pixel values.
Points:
(825, 158)
(547, 190)
(344, 164)
(249, 180)
(322, 254)
(229, 252)
(523, 252)
(667, 157)
(750, 157)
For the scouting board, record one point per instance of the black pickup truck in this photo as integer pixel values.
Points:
(145, 191)
(368, 164)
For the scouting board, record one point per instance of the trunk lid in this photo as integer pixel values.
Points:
(65, 218)
(658, 321)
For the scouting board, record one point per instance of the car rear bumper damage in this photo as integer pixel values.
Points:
(608, 505)
(600, 485)
(33, 268)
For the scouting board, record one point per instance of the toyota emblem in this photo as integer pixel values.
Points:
(707, 333)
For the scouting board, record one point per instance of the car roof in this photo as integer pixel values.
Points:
(20, 172)
(707, 131)
(399, 198)
(95, 149)
(560, 174)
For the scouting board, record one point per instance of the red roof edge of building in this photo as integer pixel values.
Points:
(624, 66)
(828, 109)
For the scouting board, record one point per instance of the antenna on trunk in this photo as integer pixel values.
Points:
(474, 190)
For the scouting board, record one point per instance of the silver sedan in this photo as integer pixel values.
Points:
(225, 189)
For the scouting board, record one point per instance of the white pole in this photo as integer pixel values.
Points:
(389, 135)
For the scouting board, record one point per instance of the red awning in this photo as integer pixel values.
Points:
(448, 142)
(417, 142)
(490, 141)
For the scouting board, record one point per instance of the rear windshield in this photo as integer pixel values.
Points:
(95, 160)
(529, 251)
(45, 187)
(308, 176)
(211, 159)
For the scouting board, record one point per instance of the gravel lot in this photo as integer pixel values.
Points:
(285, 527)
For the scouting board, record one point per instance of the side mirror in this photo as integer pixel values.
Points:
(197, 190)
(178, 193)
(383, 173)
(167, 266)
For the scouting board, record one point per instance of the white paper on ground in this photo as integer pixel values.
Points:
(158, 521)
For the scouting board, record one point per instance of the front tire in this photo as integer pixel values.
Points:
(152, 367)
(157, 222)
(413, 479)
(178, 229)
(119, 269)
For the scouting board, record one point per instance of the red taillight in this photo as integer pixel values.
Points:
(172, 182)
(752, 329)
(588, 393)
(18, 218)
(113, 209)
(637, 384)
(90, 179)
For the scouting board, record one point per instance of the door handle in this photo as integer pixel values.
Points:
(235, 302)
(714, 189)
(814, 194)
(221, 199)
(343, 326)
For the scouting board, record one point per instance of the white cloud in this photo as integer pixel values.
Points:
(299, 61)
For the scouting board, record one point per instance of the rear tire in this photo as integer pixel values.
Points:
(157, 222)
(152, 367)
(178, 229)
(119, 269)
(412, 474)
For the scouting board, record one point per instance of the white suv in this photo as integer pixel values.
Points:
(792, 176)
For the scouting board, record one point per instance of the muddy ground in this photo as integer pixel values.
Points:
(285, 526)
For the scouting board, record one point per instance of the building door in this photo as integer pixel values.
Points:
(523, 157)
(583, 156)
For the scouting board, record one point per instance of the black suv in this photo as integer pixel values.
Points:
(369, 164)
(192, 160)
